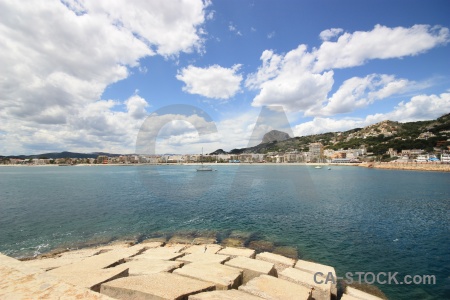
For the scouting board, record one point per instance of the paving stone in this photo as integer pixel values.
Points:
(155, 286)
(313, 268)
(269, 287)
(321, 291)
(204, 258)
(224, 277)
(208, 248)
(89, 278)
(360, 294)
(234, 252)
(279, 261)
(224, 295)
(251, 267)
(142, 266)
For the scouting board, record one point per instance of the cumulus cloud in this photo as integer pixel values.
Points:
(328, 34)
(58, 57)
(212, 82)
(287, 80)
(358, 92)
(301, 80)
(354, 49)
(136, 106)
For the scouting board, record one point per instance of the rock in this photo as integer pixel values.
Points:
(261, 246)
(269, 287)
(251, 267)
(275, 136)
(223, 277)
(233, 242)
(155, 286)
(290, 252)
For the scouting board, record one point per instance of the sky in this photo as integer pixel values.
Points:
(107, 76)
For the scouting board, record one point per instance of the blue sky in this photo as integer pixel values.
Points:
(84, 75)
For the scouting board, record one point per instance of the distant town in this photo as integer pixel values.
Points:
(426, 142)
(315, 154)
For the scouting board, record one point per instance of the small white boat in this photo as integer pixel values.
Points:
(317, 167)
(203, 168)
(329, 168)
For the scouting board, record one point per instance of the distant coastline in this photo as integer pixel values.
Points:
(410, 166)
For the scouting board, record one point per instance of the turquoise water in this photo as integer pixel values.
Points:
(355, 219)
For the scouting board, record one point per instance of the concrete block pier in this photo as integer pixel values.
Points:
(153, 270)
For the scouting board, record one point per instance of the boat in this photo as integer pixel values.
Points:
(329, 168)
(203, 168)
(317, 167)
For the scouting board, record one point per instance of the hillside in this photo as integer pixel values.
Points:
(378, 138)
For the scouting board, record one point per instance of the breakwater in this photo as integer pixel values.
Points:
(156, 270)
(413, 166)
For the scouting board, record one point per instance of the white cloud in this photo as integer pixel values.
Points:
(421, 107)
(354, 49)
(169, 26)
(58, 57)
(136, 106)
(212, 82)
(418, 108)
(358, 92)
(287, 81)
(301, 80)
(328, 34)
(234, 29)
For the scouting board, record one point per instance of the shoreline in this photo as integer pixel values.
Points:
(410, 166)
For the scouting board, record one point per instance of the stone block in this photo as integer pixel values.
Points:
(224, 295)
(159, 286)
(223, 277)
(306, 279)
(162, 253)
(234, 252)
(88, 278)
(15, 284)
(206, 248)
(203, 258)
(313, 268)
(142, 266)
(279, 261)
(251, 267)
(269, 287)
(360, 294)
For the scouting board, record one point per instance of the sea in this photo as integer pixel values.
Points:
(355, 219)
